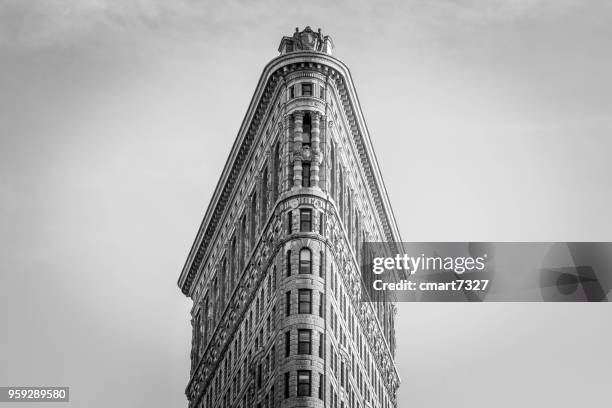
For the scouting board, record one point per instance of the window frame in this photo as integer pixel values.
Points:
(287, 380)
(301, 302)
(305, 266)
(306, 179)
(288, 263)
(304, 345)
(304, 388)
(305, 222)
(306, 85)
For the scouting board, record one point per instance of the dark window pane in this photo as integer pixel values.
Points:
(305, 300)
(305, 175)
(304, 341)
(303, 389)
(288, 263)
(321, 345)
(286, 385)
(306, 89)
(321, 386)
(321, 223)
(305, 220)
(321, 304)
(305, 261)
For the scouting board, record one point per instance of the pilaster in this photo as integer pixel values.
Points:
(297, 148)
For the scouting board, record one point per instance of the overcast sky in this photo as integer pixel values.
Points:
(491, 119)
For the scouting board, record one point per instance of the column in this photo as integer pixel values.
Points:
(316, 151)
(297, 148)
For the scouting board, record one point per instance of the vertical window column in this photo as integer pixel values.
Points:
(314, 140)
(297, 147)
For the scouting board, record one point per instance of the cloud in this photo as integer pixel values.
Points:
(56, 22)
(41, 23)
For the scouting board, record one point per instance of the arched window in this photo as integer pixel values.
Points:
(305, 260)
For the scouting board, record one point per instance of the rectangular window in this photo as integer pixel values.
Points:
(321, 387)
(291, 92)
(305, 174)
(321, 345)
(305, 301)
(288, 303)
(289, 222)
(259, 374)
(286, 385)
(287, 343)
(321, 223)
(321, 263)
(305, 220)
(303, 383)
(321, 304)
(288, 263)
(306, 89)
(304, 341)
(321, 92)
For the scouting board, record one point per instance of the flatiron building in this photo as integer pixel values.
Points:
(278, 319)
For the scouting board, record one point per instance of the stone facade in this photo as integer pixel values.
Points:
(273, 273)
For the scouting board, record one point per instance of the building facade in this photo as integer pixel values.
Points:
(278, 319)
